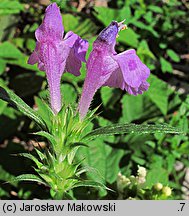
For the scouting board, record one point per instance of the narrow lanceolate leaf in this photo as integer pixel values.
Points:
(91, 170)
(19, 104)
(89, 183)
(132, 128)
(47, 136)
(75, 145)
(28, 177)
(40, 154)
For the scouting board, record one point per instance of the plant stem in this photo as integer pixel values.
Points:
(59, 195)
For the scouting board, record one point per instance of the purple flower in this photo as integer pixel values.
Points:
(55, 55)
(107, 68)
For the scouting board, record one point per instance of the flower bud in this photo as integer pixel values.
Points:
(132, 179)
(141, 171)
(158, 186)
(141, 175)
(140, 180)
(166, 191)
(122, 182)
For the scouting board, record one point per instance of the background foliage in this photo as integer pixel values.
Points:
(158, 31)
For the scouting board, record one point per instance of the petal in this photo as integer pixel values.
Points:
(99, 69)
(134, 71)
(52, 27)
(41, 66)
(143, 87)
(81, 47)
(73, 64)
(116, 80)
(70, 39)
(33, 59)
(77, 49)
(135, 91)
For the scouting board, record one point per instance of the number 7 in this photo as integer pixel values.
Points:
(183, 204)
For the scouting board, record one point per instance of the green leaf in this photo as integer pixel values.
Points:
(8, 50)
(95, 156)
(144, 108)
(47, 136)
(70, 22)
(89, 183)
(165, 65)
(143, 51)
(159, 93)
(22, 62)
(10, 7)
(86, 169)
(44, 111)
(106, 95)
(86, 28)
(183, 123)
(173, 55)
(3, 105)
(12, 55)
(19, 104)
(149, 17)
(110, 97)
(112, 168)
(132, 128)
(47, 178)
(128, 102)
(143, 26)
(129, 37)
(163, 45)
(7, 33)
(156, 173)
(69, 92)
(5, 176)
(170, 163)
(4, 193)
(80, 25)
(155, 9)
(102, 157)
(138, 160)
(61, 4)
(2, 66)
(106, 14)
(75, 145)
(28, 177)
(30, 44)
(40, 154)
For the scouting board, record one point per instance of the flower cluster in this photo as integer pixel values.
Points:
(133, 187)
(56, 55)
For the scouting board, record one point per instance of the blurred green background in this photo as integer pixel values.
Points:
(159, 31)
